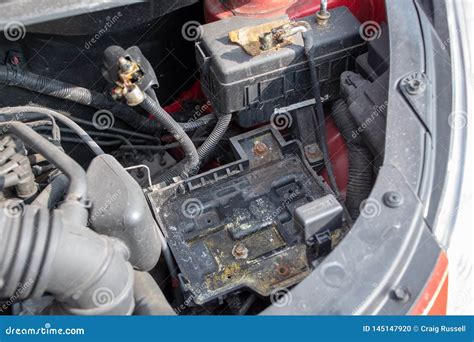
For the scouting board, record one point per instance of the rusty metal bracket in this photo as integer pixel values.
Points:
(268, 36)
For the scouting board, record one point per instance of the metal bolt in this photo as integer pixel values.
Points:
(134, 95)
(260, 149)
(392, 199)
(323, 15)
(401, 294)
(324, 6)
(124, 64)
(313, 153)
(283, 270)
(415, 86)
(15, 60)
(240, 251)
(311, 150)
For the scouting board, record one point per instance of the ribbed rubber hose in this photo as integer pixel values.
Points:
(47, 86)
(360, 158)
(56, 253)
(210, 144)
(53, 192)
(205, 150)
(51, 253)
(17, 77)
(194, 125)
(192, 158)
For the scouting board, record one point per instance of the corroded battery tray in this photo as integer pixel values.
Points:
(233, 228)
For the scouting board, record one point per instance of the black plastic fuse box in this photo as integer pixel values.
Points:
(254, 86)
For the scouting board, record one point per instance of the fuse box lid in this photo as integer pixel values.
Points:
(230, 63)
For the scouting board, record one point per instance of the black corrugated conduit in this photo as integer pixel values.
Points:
(192, 158)
(204, 151)
(360, 159)
(14, 76)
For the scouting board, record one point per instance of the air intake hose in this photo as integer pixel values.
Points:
(55, 253)
(88, 274)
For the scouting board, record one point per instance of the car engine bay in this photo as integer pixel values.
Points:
(151, 164)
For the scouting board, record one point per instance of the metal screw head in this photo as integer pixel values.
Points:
(15, 60)
(124, 64)
(260, 149)
(322, 18)
(401, 294)
(313, 153)
(283, 270)
(415, 86)
(392, 199)
(240, 251)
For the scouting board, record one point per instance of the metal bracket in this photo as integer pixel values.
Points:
(415, 89)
